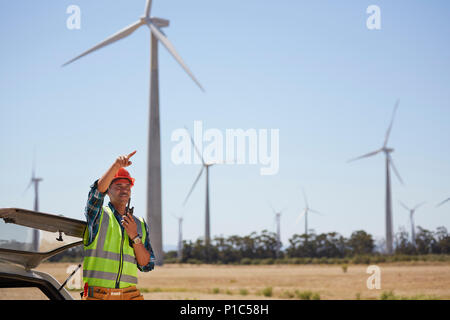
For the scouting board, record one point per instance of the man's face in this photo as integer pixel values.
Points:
(120, 191)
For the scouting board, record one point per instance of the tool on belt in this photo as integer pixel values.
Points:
(100, 293)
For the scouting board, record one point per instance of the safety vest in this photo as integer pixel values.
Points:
(109, 261)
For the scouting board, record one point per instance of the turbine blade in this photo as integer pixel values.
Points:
(404, 206)
(440, 204)
(419, 205)
(28, 187)
(195, 147)
(316, 212)
(304, 197)
(273, 209)
(300, 216)
(225, 162)
(391, 162)
(388, 132)
(193, 186)
(33, 168)
(366, 155)
(161, 37)
(115, 37)
(148, 7)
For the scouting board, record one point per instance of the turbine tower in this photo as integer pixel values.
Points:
(411, 218)
(154, 215)
(305, 213)
(204, 166)
(389, 163)
(35, 181)
(277, 221)
(180, 237)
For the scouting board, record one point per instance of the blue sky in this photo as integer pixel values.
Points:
(311, 69)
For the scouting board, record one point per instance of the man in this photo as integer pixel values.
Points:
(116, 243)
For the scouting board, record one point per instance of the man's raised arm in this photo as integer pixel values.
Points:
(105, 180)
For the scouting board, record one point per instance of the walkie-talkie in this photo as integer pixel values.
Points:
(128, 210)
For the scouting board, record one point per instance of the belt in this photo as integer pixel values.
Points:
(100, 293)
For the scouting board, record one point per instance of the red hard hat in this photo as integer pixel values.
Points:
(123, 174)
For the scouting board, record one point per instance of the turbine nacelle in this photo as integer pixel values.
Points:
(159, 22)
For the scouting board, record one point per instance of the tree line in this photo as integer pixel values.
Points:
(329, 247)
(264, 246)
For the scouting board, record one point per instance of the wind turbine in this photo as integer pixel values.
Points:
(305, 213)
(35, 181)
(277, 221)
(154, 215)
(204, 166)
(440, 204)
(411, 218)
(389, 163)
(180, 236)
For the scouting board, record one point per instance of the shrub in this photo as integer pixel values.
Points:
(388, 295)
(335, 261)
(344, 268)
(281, 261)
(323, 260)
(171, 260)
(315, 296)
(267, 292)
(243, 292)
(267, 261)
(361, 260)
(215, 290)
(422, 297)
(287, 295)
(304, 295)
(194, 261)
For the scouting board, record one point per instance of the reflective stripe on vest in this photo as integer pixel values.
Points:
(105, 264)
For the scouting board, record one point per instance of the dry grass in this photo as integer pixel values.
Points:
(217, 282)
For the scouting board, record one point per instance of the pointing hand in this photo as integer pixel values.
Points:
(124, 161)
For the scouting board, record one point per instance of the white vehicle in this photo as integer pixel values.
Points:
(17, 260)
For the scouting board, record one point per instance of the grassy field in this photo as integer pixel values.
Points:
(414, 280)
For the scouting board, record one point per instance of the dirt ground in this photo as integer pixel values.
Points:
(215, 282)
